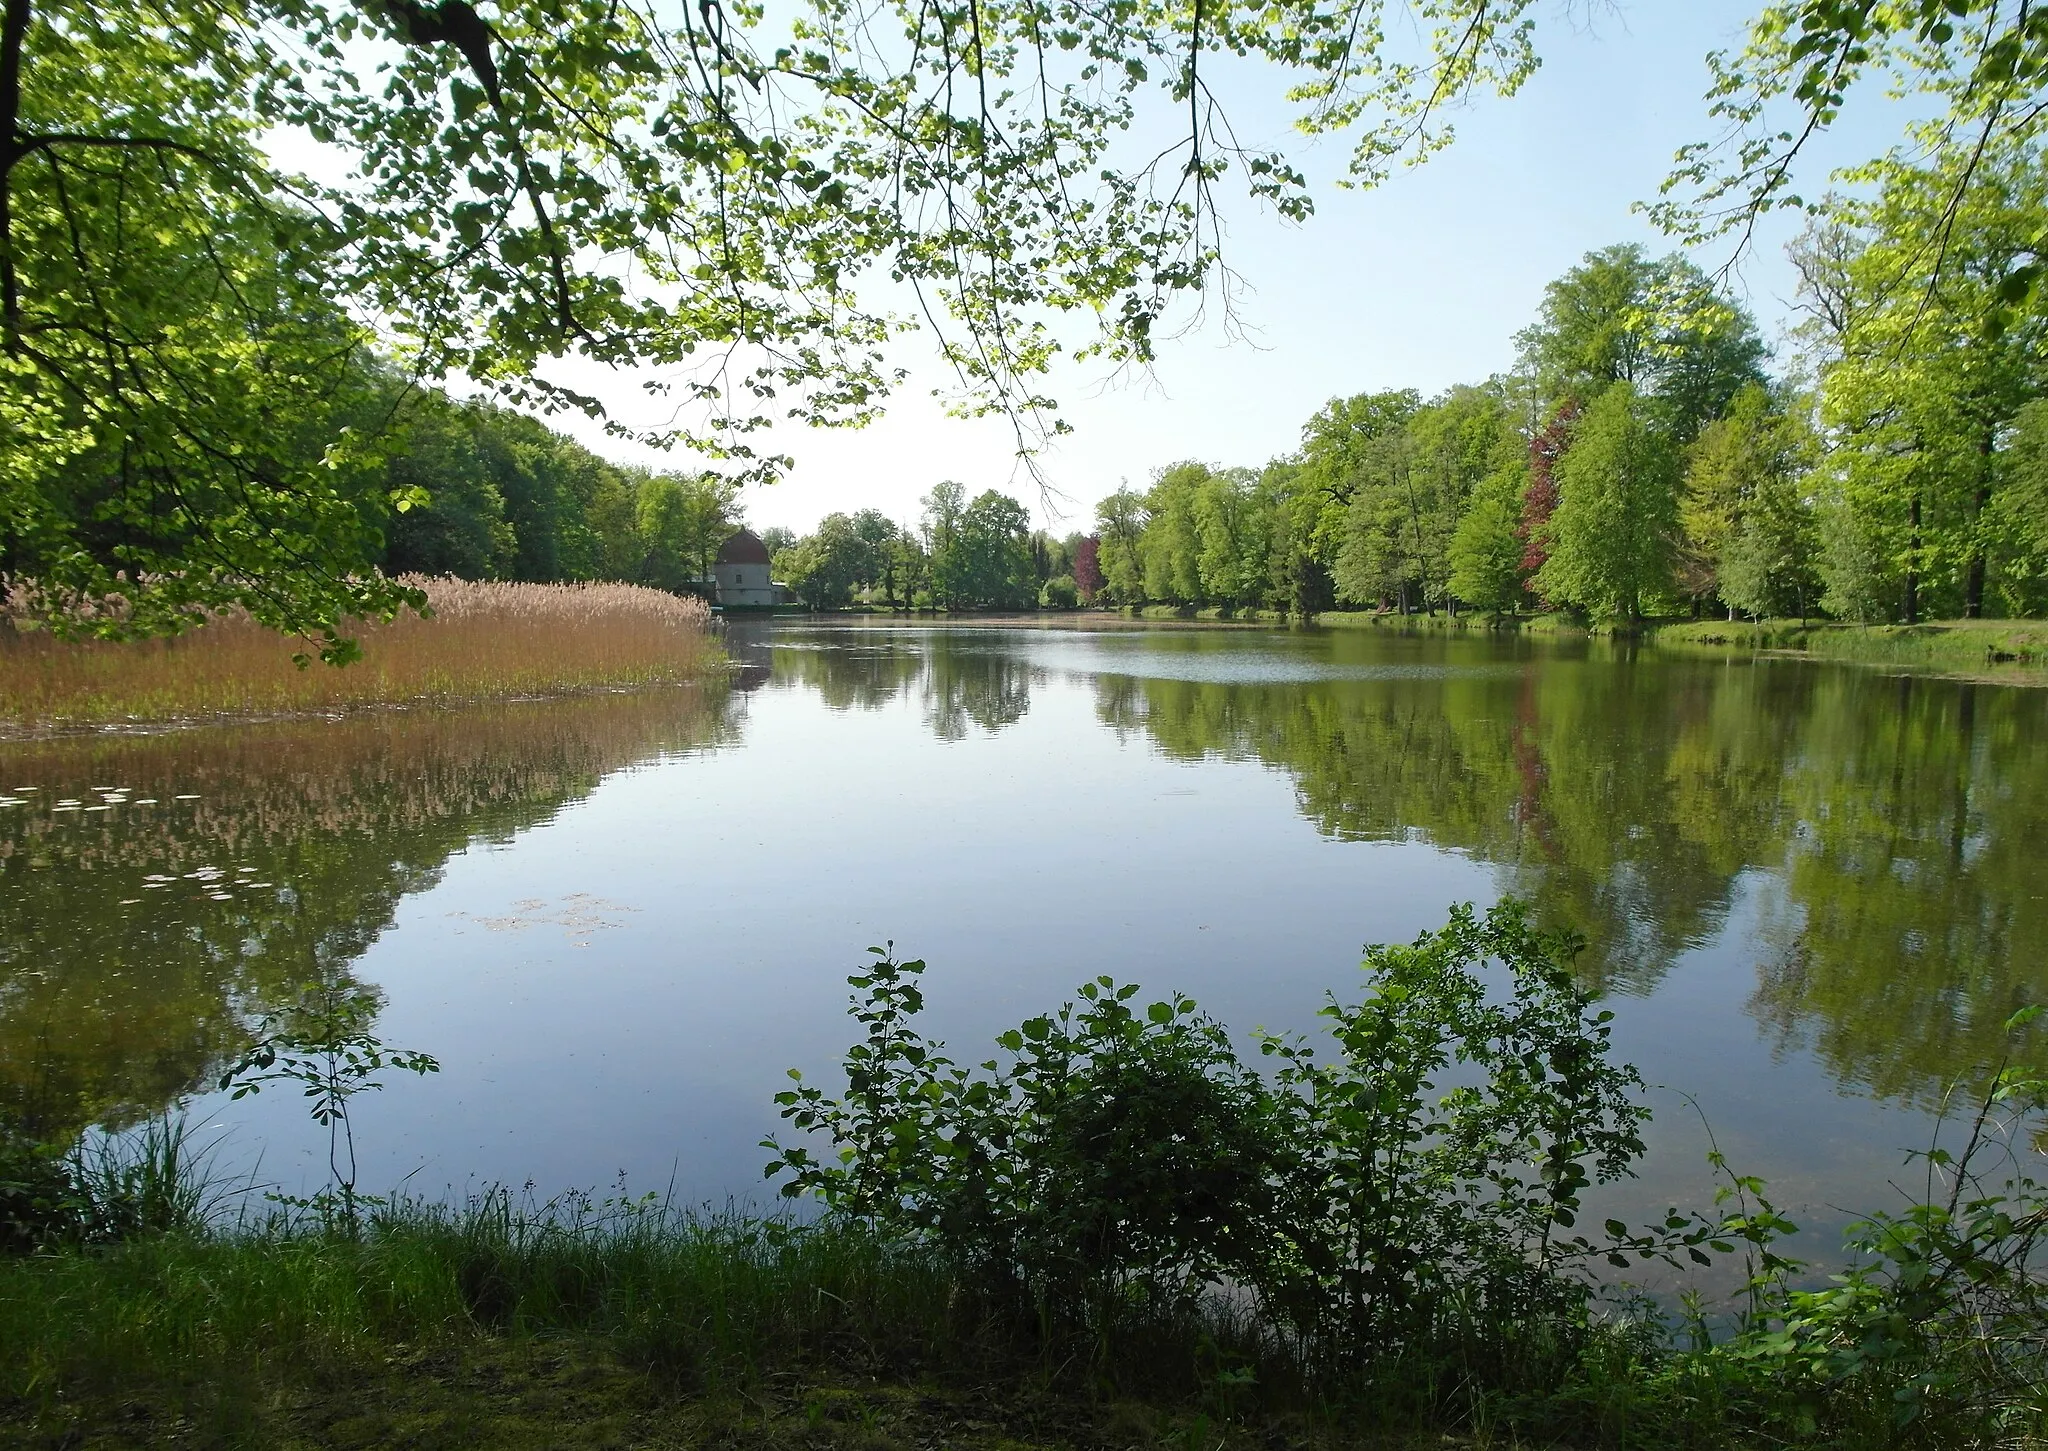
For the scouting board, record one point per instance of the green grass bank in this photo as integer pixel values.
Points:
(2007, 647)
(1963, 646)
(1469, 621)
(435, 1328)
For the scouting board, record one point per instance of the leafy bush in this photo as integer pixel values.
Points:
(1412, 1195)
(1117, 1163)
(1059, 593)
(40, 1201)
(1945, 1309)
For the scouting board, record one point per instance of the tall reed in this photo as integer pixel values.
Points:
(479, 640)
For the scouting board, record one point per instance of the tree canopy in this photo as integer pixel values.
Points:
(216, 219)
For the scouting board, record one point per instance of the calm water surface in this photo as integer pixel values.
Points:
(1812, 894)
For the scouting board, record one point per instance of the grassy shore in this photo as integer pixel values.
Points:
(1949, 645)
(1124, 1238)
(479, 641)
(2007, 647)
(1470, 620)
(604, 1326)
(626, 1326)
(1225, 614)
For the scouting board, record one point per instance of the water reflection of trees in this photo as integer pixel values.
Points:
(1917, 880)
(961, 679)
(1894, 827)
(117, 995)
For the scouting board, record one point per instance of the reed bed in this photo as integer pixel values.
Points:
(478, 641)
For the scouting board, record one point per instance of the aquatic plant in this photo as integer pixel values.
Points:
(476, 640)
(324, 1043)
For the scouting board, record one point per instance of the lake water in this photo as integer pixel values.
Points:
(1812, 894)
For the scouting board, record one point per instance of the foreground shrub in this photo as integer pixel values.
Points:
(1388, 1221)
(1944, 1303)
(1425, 1207)
(1120, 1160)
(1116, 1165)
(39, 1201)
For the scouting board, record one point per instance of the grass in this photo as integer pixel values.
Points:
(1952, 645)
(480, 641)
(605, 1325)
(608, 1323)
(2005, 648)
(1444, 620)
(1238, 613)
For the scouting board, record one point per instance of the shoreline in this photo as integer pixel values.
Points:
(2008, 652)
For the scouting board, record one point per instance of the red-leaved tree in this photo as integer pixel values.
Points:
(1539, 499)
(1088, 567)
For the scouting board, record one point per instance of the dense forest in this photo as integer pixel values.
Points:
(1647, 455)
(488, 493)
(1643, 459)
(961, 553)
(494, 494)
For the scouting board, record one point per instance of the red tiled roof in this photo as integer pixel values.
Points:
(744, 547)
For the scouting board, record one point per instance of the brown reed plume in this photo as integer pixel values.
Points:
(481, 641)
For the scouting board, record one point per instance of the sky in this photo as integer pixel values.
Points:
(1420, 283)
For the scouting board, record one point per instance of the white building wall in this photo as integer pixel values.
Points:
(743, 584)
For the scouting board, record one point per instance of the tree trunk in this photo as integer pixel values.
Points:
(1912, 603)
(13, 38)
(1973, 583)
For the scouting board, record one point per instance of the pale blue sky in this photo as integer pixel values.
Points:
(1421, 283)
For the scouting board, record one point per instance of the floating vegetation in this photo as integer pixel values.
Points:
(310, 831)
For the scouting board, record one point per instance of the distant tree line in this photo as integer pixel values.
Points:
(494, 494)
(960, 553)
(1641, 460)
